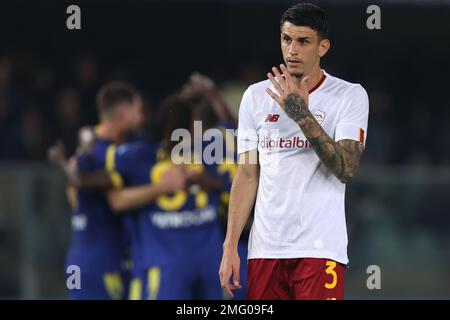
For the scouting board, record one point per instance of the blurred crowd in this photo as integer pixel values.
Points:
(40, 103)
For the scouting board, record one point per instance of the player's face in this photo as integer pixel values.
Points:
(131, 116)
(136, 115)
(301, 48)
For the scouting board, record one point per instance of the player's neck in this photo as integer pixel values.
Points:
(313, 78)
(105, 130)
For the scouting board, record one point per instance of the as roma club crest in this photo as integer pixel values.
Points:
(319, 116)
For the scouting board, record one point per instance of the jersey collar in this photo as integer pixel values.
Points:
(321, 81)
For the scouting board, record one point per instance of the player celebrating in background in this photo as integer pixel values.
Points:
(98, 239)
(156, 251)
(301, 136)
(200, 84)
(179, 231)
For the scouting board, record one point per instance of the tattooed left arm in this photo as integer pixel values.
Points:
(341, 157)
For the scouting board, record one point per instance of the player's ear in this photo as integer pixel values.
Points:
(324, 46)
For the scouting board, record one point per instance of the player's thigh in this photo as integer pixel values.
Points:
(242, 293)
(114, 285)
(98, 285)
(318, 279)
(266, 280)
(127, 279)
(137, 282)
(168, 281)
(101, 278)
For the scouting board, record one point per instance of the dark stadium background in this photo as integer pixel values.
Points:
(397, 209)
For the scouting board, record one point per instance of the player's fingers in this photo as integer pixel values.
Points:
(225, 275)
(236, 277)
(235, 287)
(279, 78)
(228, 291)
(275, 83)
(273, 96)
(182, 170)
(221, 277)
(287, 75)
(227, 286)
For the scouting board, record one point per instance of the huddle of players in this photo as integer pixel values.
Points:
(131, 203)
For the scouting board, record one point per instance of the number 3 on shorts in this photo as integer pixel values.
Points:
(330, 270)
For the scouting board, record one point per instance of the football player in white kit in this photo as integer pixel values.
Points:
(301, 136)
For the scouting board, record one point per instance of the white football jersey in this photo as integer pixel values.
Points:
(299, 210)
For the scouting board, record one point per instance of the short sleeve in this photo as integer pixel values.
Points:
(120, 161)
(125, 167)
(353, 122)
(247, 134)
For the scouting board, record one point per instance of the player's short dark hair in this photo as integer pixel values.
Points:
(174, 113)
(203, 110)
(114, 94)
(309, 15)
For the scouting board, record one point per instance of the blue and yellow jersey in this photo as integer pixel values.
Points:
(175, 226)
(93, 223)
(98, 243)
(228, 168)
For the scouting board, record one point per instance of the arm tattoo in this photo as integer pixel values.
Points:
(295, 107)
(342, 157)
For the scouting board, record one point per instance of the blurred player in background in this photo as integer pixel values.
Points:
(98, 243)
(180, 231)
(176, 228)
(219, 116)
(301, 136)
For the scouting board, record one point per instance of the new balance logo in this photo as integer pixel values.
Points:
(272, 118)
